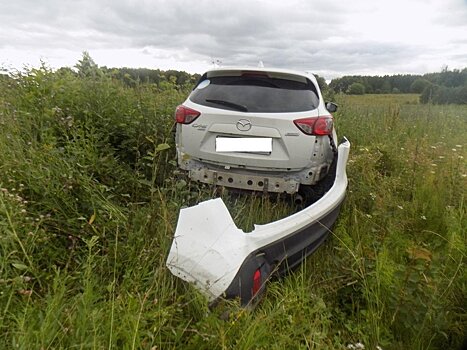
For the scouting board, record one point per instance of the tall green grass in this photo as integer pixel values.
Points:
(89, 201)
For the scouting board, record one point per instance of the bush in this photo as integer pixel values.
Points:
(444, 95)
(419, 85)
(356, 89)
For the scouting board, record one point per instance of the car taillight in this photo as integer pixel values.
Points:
(315, 125)
(185, 115)
(256, 282)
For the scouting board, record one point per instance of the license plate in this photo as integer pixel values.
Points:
(244, 144)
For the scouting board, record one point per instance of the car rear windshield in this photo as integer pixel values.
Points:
(260, 94)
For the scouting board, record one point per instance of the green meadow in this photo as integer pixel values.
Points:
(90, 195)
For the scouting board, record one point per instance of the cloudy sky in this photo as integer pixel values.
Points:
(329, 37)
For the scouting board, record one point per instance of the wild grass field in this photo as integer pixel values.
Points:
(89, 201)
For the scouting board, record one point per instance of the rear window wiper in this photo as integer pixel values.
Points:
(233, 105)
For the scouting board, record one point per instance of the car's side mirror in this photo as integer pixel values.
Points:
(331, 107)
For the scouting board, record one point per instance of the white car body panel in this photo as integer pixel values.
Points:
(208, 249)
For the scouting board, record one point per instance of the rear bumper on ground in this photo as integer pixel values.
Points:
(221, 260)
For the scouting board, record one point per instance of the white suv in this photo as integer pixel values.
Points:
(256, 129)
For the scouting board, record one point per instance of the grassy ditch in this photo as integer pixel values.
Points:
(89, 201)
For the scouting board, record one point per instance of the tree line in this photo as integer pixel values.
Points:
(447, 86)
(132, 77)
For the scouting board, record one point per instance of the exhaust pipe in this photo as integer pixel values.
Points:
(298, 199)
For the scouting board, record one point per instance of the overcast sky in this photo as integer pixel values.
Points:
(329, 37)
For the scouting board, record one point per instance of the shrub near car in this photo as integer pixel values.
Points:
(256, 129)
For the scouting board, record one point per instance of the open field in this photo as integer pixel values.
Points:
(89, 201)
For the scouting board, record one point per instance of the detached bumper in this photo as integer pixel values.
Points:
(221, 260)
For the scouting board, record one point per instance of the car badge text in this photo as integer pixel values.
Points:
(200, 127)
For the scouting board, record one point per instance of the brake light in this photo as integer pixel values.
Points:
(254, 74)
(318, 126)
(185, 115)
(256, 282)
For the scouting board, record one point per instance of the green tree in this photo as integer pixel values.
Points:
(461, 96)
(428, 93)
(326, 90)
(321, 82)
(419, 85)
(87, 67)
(386, 88)
(356, 89)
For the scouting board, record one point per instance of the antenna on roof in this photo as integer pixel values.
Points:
(216, 63)
(260, 64)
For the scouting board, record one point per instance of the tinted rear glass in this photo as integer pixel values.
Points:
(256, 94)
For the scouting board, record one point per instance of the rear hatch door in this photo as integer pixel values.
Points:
(246, 120)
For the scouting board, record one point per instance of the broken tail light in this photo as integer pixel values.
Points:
(318, 126)
(185, 115)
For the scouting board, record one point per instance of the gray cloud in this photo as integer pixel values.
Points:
(453, 13)
(320, 35)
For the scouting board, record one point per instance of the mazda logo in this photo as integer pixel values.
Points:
(243, 125)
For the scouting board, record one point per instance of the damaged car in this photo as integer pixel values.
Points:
(261, 130)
